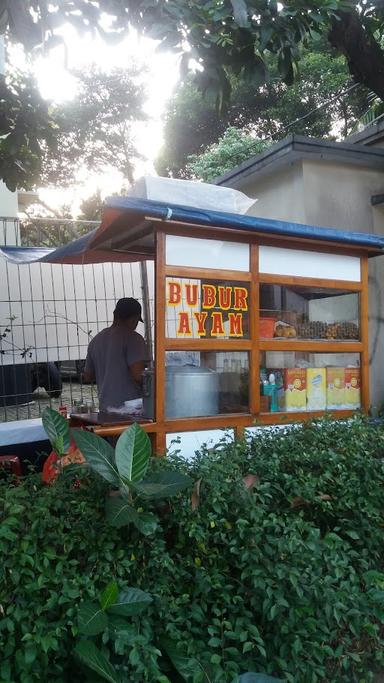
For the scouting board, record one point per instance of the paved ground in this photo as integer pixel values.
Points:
(72, 391)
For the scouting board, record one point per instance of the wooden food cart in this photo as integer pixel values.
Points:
(256, 321)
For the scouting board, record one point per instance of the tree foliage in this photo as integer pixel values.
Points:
(234, 147)
(222, 34)
(95, 130)
(314, 105)
(26, 129)
(226, 37)
(46, 144)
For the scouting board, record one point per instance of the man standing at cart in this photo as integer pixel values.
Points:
(116, 357)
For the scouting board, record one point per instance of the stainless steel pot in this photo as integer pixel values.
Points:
(190, 391)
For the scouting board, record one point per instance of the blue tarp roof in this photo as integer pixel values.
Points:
(126, 232)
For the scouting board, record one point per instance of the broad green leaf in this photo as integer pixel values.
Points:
(98, 453)
(133, 450)
(58, 445)
(119, 512)
(353, 534)
(130, 602)
(92, 619)
(88, 653)
(145, 522)
(163, 484)
(185, 665)
(120, 624)
(109, 595)
(57, 430)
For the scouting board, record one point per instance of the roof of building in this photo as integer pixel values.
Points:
(128, 227)
(371, 135)
(296, 147)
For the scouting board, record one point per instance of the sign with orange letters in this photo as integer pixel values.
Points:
(207, 309)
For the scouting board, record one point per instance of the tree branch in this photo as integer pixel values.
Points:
(364, 55)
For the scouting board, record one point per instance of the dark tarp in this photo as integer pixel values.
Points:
(126, 233)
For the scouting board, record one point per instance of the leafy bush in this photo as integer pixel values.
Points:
(276, 565)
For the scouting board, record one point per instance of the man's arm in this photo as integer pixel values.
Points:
(89, 370)
(88, 377)
(136, 370)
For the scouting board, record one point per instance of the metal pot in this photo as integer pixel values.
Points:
(190, 391)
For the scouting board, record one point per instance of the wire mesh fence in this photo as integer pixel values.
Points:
(49, 313)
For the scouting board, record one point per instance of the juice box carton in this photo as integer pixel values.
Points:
(316, 389)
(294, 395)
(335, 388)
(352, 388)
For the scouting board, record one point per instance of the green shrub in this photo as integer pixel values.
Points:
(285, 576)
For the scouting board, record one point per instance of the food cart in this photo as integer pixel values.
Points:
(256, 321)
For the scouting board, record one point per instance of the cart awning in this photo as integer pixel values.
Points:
(127, 229)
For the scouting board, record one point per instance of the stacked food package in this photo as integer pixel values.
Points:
(293, 398)
(314, 389)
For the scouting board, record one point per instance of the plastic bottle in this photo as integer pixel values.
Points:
(273, 393)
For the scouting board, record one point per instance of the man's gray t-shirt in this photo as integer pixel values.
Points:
(110, 354)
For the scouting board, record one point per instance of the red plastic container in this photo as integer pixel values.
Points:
(267, 328)
(11, 462)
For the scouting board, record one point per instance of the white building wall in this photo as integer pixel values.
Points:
(278, 196)
(339, 195)
(332, 194)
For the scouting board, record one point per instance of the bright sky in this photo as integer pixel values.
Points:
(57, 84)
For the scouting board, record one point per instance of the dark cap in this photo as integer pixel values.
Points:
(127, 308)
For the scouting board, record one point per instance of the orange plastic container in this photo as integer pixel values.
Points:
(267, 327)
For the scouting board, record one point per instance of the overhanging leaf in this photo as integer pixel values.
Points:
(133, 451)
(130, 602)
(163, 484)
(56, 427)
(88, 653)
(98, 453)
(109, 595)
(92, 619)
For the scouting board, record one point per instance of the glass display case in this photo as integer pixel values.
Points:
(265, 344)
(316, 313)
(206, 383)
(299, 382)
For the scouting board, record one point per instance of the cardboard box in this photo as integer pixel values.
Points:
(335, 388)
(352, 388)
(294, 390)
(316, 389)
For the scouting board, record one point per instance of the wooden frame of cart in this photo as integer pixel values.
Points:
(269, 319)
